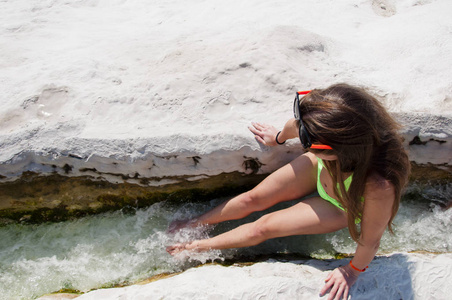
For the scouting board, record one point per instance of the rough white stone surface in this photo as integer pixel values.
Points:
(397, 276)
(130, 87)
(151, 87)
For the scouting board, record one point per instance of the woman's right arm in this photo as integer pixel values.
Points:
(266, 134)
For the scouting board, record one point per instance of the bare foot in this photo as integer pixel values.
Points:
(175, 249)
(179, 224)
(178, 248)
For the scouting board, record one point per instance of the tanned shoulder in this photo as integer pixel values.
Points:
(379, 188)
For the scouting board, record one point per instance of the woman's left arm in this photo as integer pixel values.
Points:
(379, 198)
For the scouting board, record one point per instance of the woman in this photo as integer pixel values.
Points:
(354, 159)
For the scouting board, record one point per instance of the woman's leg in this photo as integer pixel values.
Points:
(292, 181)
(312, 216)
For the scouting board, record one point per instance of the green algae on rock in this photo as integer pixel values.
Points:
(34, 198)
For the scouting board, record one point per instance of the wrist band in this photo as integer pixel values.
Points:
(277, 139)
(355, 268)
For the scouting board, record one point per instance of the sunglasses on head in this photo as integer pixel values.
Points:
(302, 131)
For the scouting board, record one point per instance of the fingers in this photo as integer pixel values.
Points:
(338, 284)
(333, 292)
(260, 126)
(257, 133)
(174, 249)
(254, 130)
(257, 130)
(346, 292)
(327, 285)
(260, 140)
(264, 134)
(339, 292)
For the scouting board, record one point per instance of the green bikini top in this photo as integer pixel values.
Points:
(322, 191)
(327, 197)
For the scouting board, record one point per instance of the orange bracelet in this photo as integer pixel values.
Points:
(355, 268)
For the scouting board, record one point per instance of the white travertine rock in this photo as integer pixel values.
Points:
(129, 87)
(397, 276)
(133, 87)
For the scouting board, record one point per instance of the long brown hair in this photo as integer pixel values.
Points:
(365, 139)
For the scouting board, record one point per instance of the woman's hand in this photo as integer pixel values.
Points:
(264, 134)
(339, 281)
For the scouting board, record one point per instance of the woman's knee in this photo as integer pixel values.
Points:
(261, 229)
(251, 201)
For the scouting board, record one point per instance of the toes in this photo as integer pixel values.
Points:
(175, 249)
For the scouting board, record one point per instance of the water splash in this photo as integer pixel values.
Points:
(417, 227)
(92, 252)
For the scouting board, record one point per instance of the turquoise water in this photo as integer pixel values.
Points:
(122, 248)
